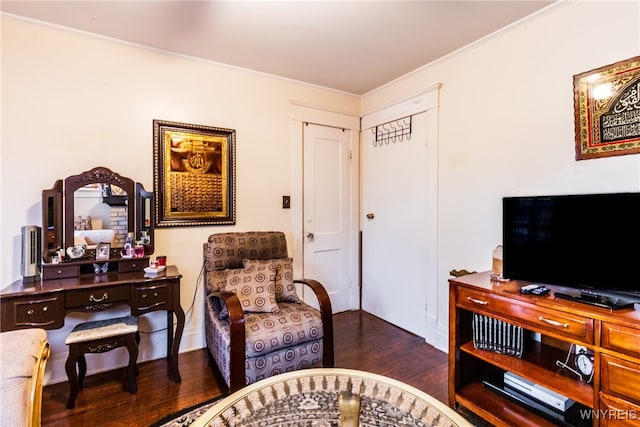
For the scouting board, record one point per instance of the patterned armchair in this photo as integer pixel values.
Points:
(256, 326)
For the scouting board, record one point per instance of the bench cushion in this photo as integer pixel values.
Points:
(89, 331)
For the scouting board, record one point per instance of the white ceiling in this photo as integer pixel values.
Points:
(350, 46)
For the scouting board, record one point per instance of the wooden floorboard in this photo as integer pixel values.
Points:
(362, 342)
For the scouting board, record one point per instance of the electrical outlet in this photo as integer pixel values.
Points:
(286, 202)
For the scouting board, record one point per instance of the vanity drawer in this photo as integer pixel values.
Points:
(59, 271)
(45, 312)
(95, 296)
(151, 297)
(620, 377)
(133, 264)
(548, 321)
(621, 338)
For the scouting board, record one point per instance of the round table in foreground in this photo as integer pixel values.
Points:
(326, 397)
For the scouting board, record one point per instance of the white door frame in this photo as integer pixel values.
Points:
(301, 114)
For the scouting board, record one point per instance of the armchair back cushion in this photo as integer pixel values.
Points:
(229, 250)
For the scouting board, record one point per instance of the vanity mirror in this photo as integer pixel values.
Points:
(93, 207)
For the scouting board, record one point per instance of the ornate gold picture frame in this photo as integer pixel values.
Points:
(194, 174)
(607, 110)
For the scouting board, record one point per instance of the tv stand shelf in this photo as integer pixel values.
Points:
(553, 324)
(533, 371)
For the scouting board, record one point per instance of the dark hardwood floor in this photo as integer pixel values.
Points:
(362, 342)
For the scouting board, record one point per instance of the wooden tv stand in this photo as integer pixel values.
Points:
(613, 397)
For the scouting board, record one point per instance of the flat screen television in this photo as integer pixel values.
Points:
(590, 242)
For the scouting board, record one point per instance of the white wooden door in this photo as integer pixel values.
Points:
(326, 207)
(397, 254)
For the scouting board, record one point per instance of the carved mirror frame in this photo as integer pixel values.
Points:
(58, 209)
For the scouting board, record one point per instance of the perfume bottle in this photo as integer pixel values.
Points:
(138, 250)
(129, 242)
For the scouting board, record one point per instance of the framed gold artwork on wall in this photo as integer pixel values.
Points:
(194, 174)
(607, 110)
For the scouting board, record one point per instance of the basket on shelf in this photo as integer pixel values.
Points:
(496, 335)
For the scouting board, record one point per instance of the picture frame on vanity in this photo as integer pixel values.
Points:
(194, 174)
(102, 251)
(607, 110)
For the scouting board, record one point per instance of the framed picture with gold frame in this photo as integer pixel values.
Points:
(607, 110)
(194, 174)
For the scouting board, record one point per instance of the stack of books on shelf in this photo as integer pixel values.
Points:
(498, 336)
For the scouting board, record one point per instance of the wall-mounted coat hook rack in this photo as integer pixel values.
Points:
(392, 131)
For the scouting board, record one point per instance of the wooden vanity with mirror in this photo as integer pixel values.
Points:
(95, 207)
(93, 280)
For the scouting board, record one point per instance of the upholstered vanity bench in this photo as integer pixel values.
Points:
(100, 336)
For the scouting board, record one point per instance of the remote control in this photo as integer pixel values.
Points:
(540, 291)
(527, 289)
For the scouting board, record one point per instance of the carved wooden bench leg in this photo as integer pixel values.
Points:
(99, 337)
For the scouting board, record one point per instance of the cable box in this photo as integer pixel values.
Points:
(538, 392)
(571, 418)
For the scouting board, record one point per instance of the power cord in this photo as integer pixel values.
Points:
(189, 312)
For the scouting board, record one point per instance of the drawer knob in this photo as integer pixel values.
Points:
(30, 312)
(94, 299)
(59, 272)
(155, 294)
(134, 265)
(477, 301)
(45, 308)
(553, 322)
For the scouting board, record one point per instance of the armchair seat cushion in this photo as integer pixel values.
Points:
(297, 323)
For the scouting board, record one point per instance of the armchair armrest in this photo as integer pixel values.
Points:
(327, 319)
(237, 332)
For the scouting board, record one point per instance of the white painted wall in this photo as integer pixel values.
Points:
(506, 124)
(72, 101)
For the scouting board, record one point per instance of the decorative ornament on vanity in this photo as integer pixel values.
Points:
(77, 251)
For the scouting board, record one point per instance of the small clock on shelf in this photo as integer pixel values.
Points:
(579, 361)
(583, 361)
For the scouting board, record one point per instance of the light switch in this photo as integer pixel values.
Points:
(286, 202)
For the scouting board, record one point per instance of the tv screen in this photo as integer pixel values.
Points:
(587, 241)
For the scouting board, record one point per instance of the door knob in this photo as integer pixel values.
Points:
(370, 215)
(310, 236)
